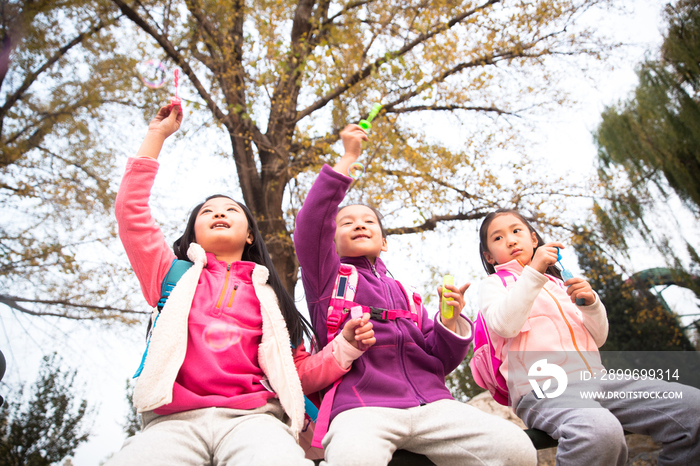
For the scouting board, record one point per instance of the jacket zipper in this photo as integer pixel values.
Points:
(223, 291)
(390, 301)
(571, 330)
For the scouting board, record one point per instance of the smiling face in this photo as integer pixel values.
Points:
(358, 233)
(508, 238)
(221, 228)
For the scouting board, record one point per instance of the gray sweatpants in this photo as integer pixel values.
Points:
(447, 431)
(213, 437)
(592, 432)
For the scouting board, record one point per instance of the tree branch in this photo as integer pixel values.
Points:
(432, 222)
(367, 71)
(13, 302)
(31, 77)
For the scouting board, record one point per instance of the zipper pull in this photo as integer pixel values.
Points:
(374, 271)
(233, 293)
(228, 267)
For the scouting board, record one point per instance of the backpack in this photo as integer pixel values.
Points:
(486, 360)
(340, 306)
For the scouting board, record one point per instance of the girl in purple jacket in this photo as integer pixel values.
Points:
(223, 378)
(394, 396)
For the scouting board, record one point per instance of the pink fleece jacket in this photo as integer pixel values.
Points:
(224, 307)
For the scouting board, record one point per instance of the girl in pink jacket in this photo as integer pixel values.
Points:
(540, 334)
(225, 368)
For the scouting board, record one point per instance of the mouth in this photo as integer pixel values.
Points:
(218, 225)
(360, 237)
(516, 251)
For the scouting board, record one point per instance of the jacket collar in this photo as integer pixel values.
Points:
(363, 262)
(242, 269)
(513, 266)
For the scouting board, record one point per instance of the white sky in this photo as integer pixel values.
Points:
(106, 358)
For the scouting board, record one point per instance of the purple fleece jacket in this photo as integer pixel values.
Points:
(407, 366)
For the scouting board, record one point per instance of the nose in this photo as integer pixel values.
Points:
(220, 215)
(511, 241)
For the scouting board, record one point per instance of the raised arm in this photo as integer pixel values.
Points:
(148, 252)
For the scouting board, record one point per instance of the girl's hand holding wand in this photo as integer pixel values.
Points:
(352, 136)
(545, 256)
(165, 123)
(580, 288)
(457, 302)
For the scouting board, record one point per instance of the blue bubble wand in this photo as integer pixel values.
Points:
(566, 275)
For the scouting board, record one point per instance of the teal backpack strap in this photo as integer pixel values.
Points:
(177, 270)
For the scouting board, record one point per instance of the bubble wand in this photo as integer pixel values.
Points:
(367, 124)
(356, 170)
(447, 311)
(566, 275)
(175, 100)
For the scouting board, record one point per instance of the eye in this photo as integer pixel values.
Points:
(497, 238)
(204, 211)
(517, 230)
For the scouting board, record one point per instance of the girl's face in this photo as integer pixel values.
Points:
(358, 233)
(508, 238)
(221, 228)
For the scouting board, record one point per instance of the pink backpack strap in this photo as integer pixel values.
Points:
(507, 277)
(415, 305)
(341, 298)
(340, 305)
(324, 416)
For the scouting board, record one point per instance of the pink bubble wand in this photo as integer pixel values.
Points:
(175, 100)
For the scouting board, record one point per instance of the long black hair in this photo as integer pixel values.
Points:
(484, 230)
(256, 252)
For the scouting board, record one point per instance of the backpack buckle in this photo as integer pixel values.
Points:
(379, 314)
(333, 323)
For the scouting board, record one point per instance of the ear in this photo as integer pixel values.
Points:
(489, 258)
(385, 246)
(533, 236)
(250, 238)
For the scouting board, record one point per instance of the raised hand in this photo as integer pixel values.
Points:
(167, 120)
(165, 123)
(352, 136)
